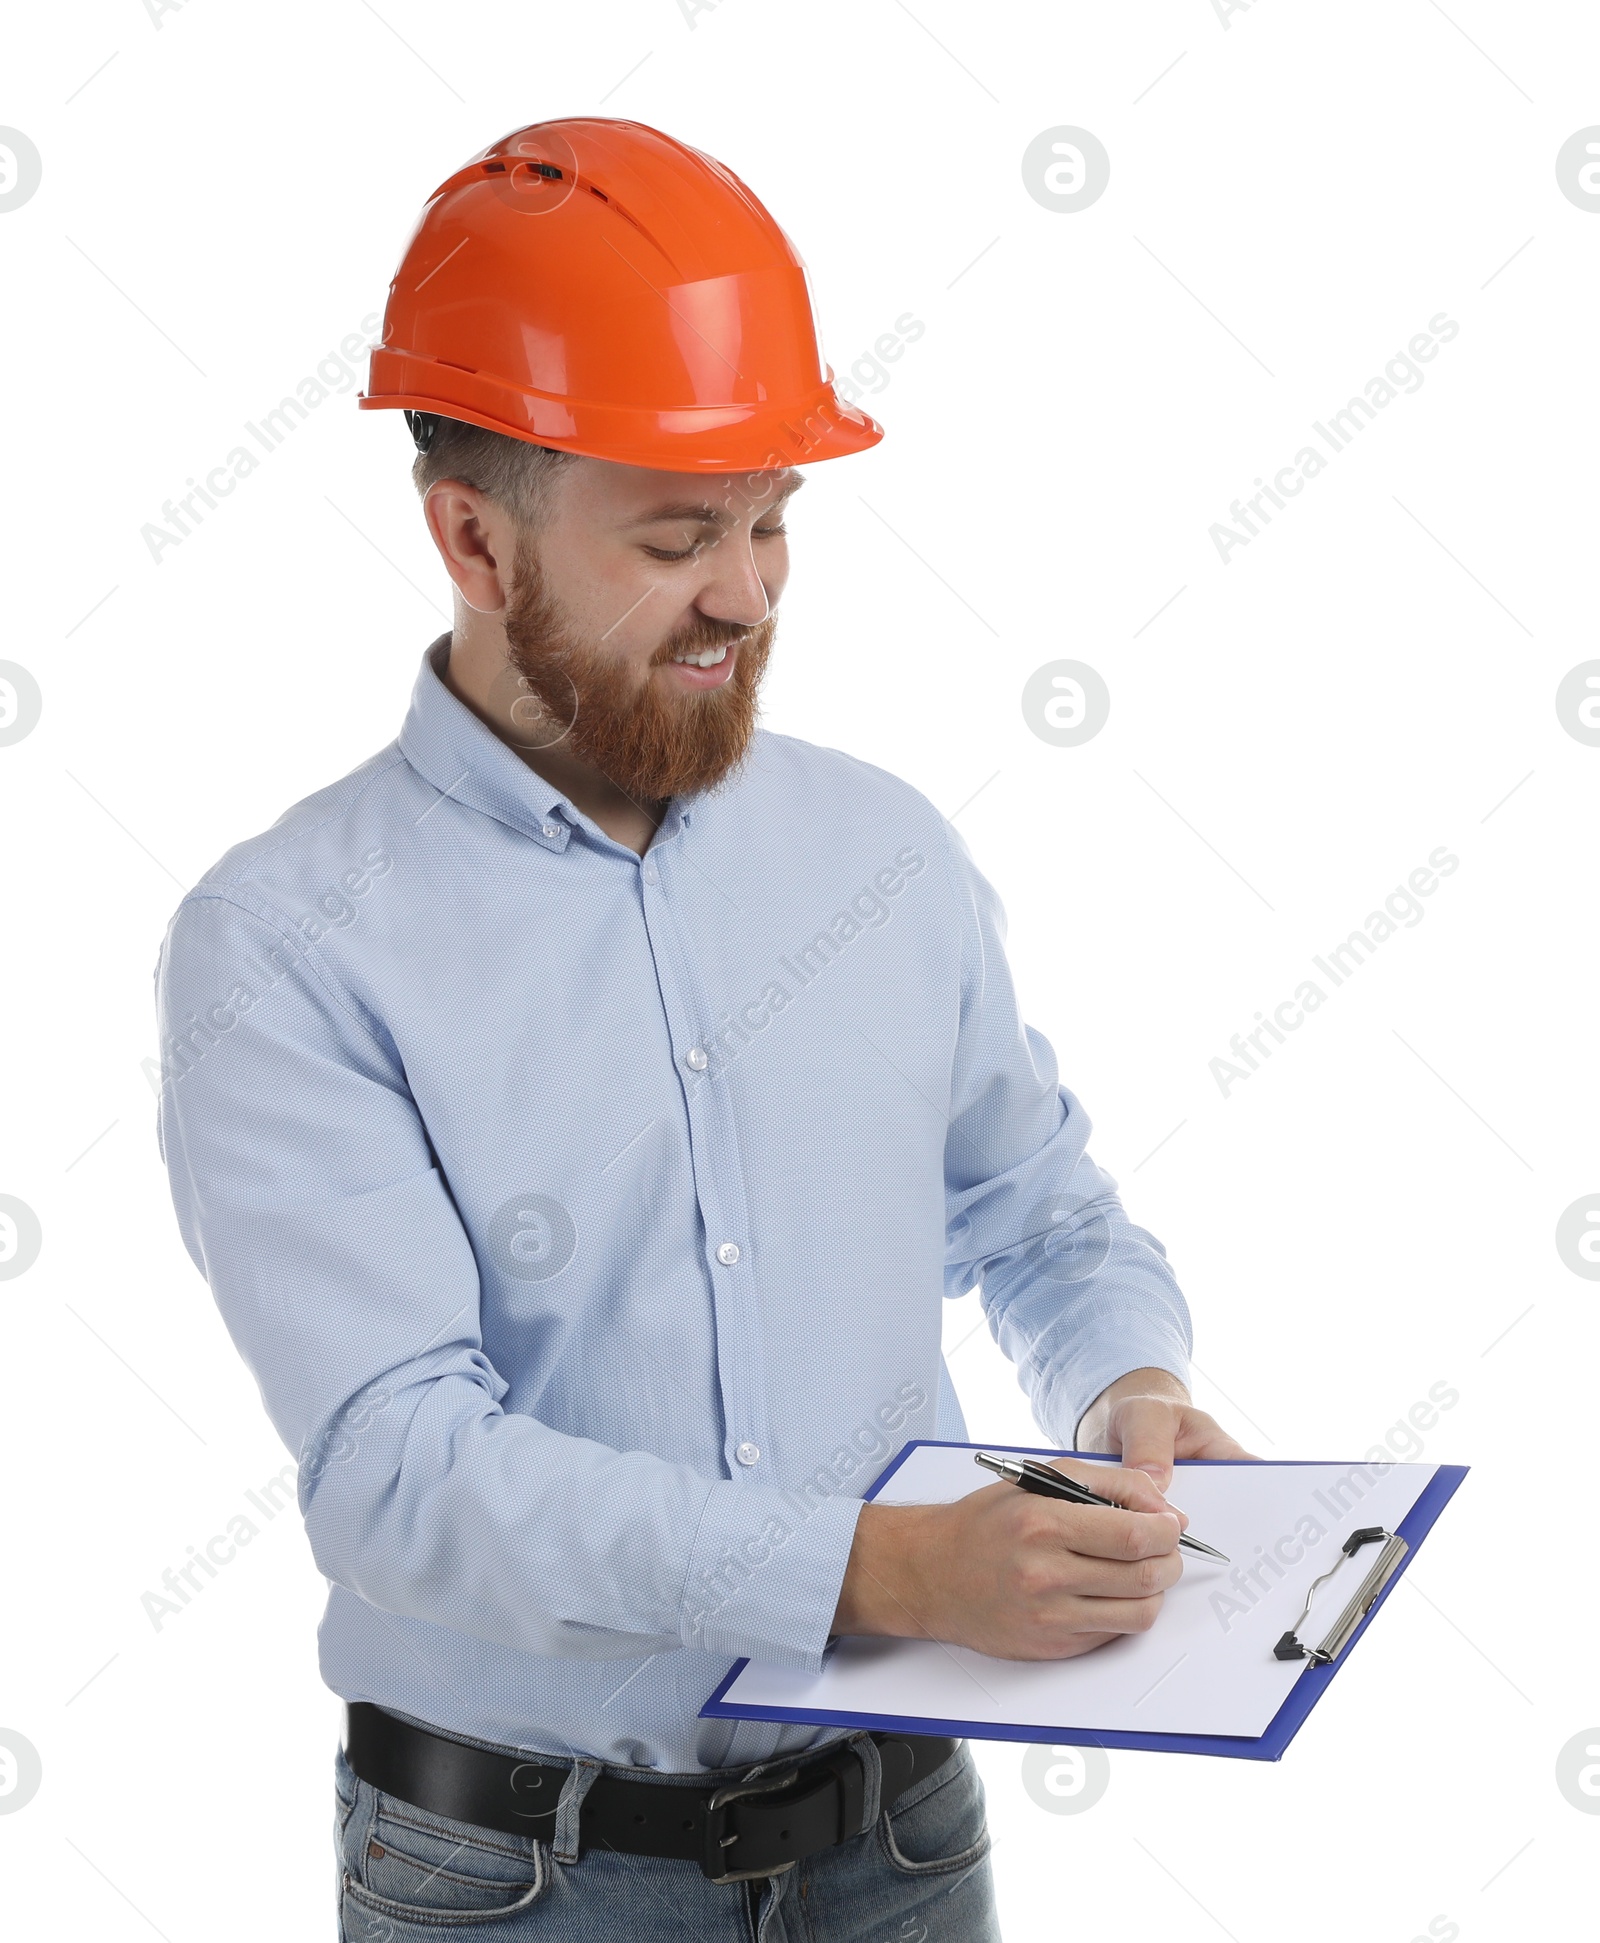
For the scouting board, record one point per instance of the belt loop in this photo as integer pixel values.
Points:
(872, 1780)
(569, 1806)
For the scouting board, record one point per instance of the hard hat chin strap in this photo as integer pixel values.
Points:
(424, 428)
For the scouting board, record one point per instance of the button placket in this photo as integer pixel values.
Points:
(719, 1182)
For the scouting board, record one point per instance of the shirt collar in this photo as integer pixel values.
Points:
(465, 760)
(452, 748)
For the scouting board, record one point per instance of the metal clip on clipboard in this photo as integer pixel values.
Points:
(1360, 1603)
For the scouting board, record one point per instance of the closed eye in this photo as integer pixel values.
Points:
(688, 552)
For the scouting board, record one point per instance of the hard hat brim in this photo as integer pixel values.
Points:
(714, 438)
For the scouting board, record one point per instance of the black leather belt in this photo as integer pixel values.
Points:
(735, 1832)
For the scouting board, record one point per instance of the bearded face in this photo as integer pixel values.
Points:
(648, 731)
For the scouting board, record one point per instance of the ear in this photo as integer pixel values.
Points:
(476, 541)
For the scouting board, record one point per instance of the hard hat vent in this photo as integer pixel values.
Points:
(547, 169)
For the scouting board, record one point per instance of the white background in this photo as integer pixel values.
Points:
(1294, 193)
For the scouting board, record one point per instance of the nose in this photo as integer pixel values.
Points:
(734, 590)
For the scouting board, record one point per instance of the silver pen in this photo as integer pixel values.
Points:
(1048, 1483)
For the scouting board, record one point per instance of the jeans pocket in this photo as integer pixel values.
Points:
(345, 1784)
(418, 1873)
(940, 1825)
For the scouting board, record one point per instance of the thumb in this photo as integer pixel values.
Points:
(1148, 1433)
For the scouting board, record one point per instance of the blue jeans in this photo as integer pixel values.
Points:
(918, 1874)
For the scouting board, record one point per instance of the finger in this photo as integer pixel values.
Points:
(1148, 1429)
(1117, 1616)
(1137, 1491)
(1110, 1578)
(1098, 1531)
(1076, 1643)
(1059, 1643)
(1215, 1443)
(1079, 1627)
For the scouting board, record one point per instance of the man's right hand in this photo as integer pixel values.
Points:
(1013, 1574)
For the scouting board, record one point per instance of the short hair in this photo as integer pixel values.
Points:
(515, 473)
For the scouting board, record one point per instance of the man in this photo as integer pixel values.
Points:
(580, 1109)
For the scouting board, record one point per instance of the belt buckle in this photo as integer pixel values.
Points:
(714, 1841)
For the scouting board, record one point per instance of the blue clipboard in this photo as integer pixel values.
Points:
(1285, 1724)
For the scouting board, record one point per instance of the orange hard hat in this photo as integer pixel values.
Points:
(596, 286)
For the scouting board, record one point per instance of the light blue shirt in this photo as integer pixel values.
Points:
(585, 1217)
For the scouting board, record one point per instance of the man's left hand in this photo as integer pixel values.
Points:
(1147, 1419)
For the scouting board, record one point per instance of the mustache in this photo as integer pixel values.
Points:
(714, 634)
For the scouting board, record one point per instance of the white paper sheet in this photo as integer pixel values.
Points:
(1205, 1667)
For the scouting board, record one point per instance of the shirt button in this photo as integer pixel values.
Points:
(728, 1254)
(550, 830)
(696, 1058)
(748, 1454)
(649, 873)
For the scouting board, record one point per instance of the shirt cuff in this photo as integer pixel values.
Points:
(1087, 1374)
(765, 1572)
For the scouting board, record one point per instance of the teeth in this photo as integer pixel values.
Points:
(707, 658)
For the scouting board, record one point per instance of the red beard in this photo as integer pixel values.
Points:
(650, 743)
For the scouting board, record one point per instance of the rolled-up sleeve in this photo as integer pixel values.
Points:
(308, 1195)
(1075, 1294)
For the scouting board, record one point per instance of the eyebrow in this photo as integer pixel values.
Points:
(705, 514)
